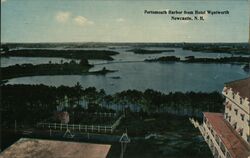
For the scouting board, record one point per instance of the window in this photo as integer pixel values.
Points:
(226, 90)
(236, 111)
(235, 125)
(248, 138)
(242, 117)
(222, 147)
(205, 119)
(226, 115)
(241, 100)
(228, 105)
(229, 118)
(248, 122)
(233, 95)
(212, 132)
(240, 131)
(217, 139)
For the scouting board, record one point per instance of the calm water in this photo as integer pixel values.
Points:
(142, 75)
(125, 55)
(136, 74)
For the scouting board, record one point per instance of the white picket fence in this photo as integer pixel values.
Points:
(81, 128)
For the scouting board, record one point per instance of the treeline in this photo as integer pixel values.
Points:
(32, 103)
(145, 51)
(192, 59)
(71, 54)
(218, 60)
(67, 68)
(230, 49)
(164, 59)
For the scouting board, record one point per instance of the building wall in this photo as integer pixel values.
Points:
(237, 112)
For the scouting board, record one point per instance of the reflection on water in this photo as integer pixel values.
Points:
(142, 75)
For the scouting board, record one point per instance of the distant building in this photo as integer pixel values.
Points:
(62, 117)
(37, 148)
(228, 134)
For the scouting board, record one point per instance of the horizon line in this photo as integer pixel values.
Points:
(114, 42)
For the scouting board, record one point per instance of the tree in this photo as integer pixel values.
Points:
(78, 90)
(5, 48)
(84, 62)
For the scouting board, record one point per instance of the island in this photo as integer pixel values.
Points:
(63, 53)
(145, 51)
(165, 59)
(192, 59)
(236, 48)
(67, 68)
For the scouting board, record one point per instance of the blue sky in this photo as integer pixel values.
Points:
(120, 21)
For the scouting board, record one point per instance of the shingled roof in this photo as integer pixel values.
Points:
(240, 86)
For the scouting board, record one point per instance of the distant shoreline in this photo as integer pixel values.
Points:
(220, 47)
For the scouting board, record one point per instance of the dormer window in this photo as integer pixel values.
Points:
(241, 100)
(226, 90)
(233, 95)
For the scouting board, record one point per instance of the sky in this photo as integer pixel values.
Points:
(36, 21)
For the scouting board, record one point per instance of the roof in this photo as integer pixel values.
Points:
(30, 148)
(234, 143)
(242, 86)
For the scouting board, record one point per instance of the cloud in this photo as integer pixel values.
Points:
(62, 17)
(120, 20)
(3, 1)
(82, 21)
